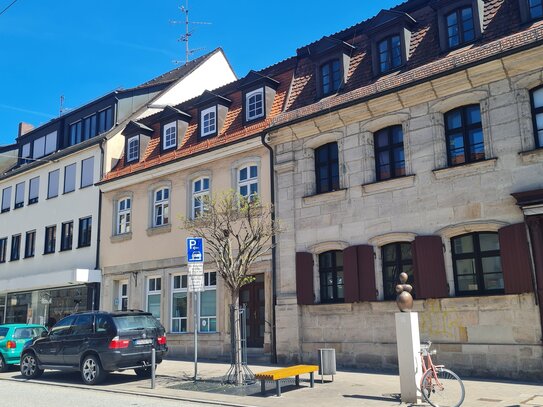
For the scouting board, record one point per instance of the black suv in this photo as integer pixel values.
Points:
(96, 343)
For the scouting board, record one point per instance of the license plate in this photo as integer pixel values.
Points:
(143, 341)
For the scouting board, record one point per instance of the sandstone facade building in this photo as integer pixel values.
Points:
(172, 161)
(412, 142)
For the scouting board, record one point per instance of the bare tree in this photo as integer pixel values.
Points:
(237, 232)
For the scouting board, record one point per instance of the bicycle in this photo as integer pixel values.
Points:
(440, 387)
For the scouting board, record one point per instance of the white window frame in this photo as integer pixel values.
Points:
(163, 204)
(169, 139)
(207, 287)
(124, 216)
(181, 289)
(121, 296)
(248, 108)
(249, 181)
(212, 121)
(156, 291)
(199, 195)
(133, 153)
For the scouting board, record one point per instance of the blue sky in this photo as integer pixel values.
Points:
(50, 48)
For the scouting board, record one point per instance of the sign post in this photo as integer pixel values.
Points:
(195, 263)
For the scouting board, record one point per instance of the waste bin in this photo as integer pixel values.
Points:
(327, 363)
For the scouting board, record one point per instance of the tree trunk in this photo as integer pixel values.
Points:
(236, 331)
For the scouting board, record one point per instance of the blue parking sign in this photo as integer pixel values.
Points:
(195, 250)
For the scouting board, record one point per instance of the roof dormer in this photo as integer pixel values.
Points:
(136, 139)
(332, 58)
(258, 96)
(460, 22)
(212, 111)
(173, 127)
(390, 35)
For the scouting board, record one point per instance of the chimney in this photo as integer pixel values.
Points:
(25, 128)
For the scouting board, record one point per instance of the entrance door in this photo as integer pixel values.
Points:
(252, 296)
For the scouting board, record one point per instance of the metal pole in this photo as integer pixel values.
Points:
(195, 335)
(153, 365)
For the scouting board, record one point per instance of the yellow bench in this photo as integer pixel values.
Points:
(277, 374)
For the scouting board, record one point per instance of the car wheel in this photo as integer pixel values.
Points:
(3, 365)
(92, 371)
(144, 372)
(29, 366)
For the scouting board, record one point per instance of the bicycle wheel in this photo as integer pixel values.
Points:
(444, 389)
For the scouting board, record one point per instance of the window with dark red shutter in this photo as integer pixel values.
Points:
(429, 264)
(304, 278)
(359, 272)
(350, 273)
(515, 258)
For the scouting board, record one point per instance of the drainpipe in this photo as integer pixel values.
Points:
(274, 260)
(98, 230)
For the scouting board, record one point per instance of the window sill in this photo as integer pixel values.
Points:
(120, 237)
(532, 156)
(157, 230)
(389, 185)
(466, 169)
(324, 197)
(83, 246)
(46, 253)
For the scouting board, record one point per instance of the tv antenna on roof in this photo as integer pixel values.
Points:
(188, 33)
(62, 109)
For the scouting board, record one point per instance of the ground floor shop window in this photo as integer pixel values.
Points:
(208, 303)
(154, 286)
(179, 304)
(477, 264)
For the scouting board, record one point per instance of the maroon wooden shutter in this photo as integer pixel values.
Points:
(366, 273)
(515, 257)
(350, 274)
(304, 278)
(429, 268)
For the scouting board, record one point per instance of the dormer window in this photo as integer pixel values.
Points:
(169, 136)
(460, 22)
(460, 27)
(330, 77)
(208, 121)
(254, 104)
(390, 53)
(133, 149)
(390, 34)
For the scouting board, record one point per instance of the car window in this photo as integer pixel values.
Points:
(83, 325)
(132, 322)
(23, 333)
(63, 326)
(103, 324)
(3, 332)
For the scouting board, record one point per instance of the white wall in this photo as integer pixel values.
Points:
(47, 212)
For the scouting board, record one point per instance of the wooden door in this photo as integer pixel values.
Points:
(252, 296)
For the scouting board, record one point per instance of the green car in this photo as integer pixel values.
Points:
(13, 338)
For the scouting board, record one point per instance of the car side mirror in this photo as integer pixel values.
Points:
(44, 334)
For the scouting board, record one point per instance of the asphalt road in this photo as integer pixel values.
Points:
(17, 394)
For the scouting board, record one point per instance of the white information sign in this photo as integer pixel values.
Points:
(196, 277)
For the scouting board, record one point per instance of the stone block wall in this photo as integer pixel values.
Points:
(498, 336)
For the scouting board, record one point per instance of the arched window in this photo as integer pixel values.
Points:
(477, 264)
(327, 168)
(397, 258)
(200, 196)
(161, 207)
(209, 121)
(248, 181)
(389, 153)
(124, 210)
(464, 134)
(537, 114)
(331, 276)
(170, 136)
(254, 104)
(133, 149)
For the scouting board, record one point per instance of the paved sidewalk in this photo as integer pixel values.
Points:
(348, 388)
